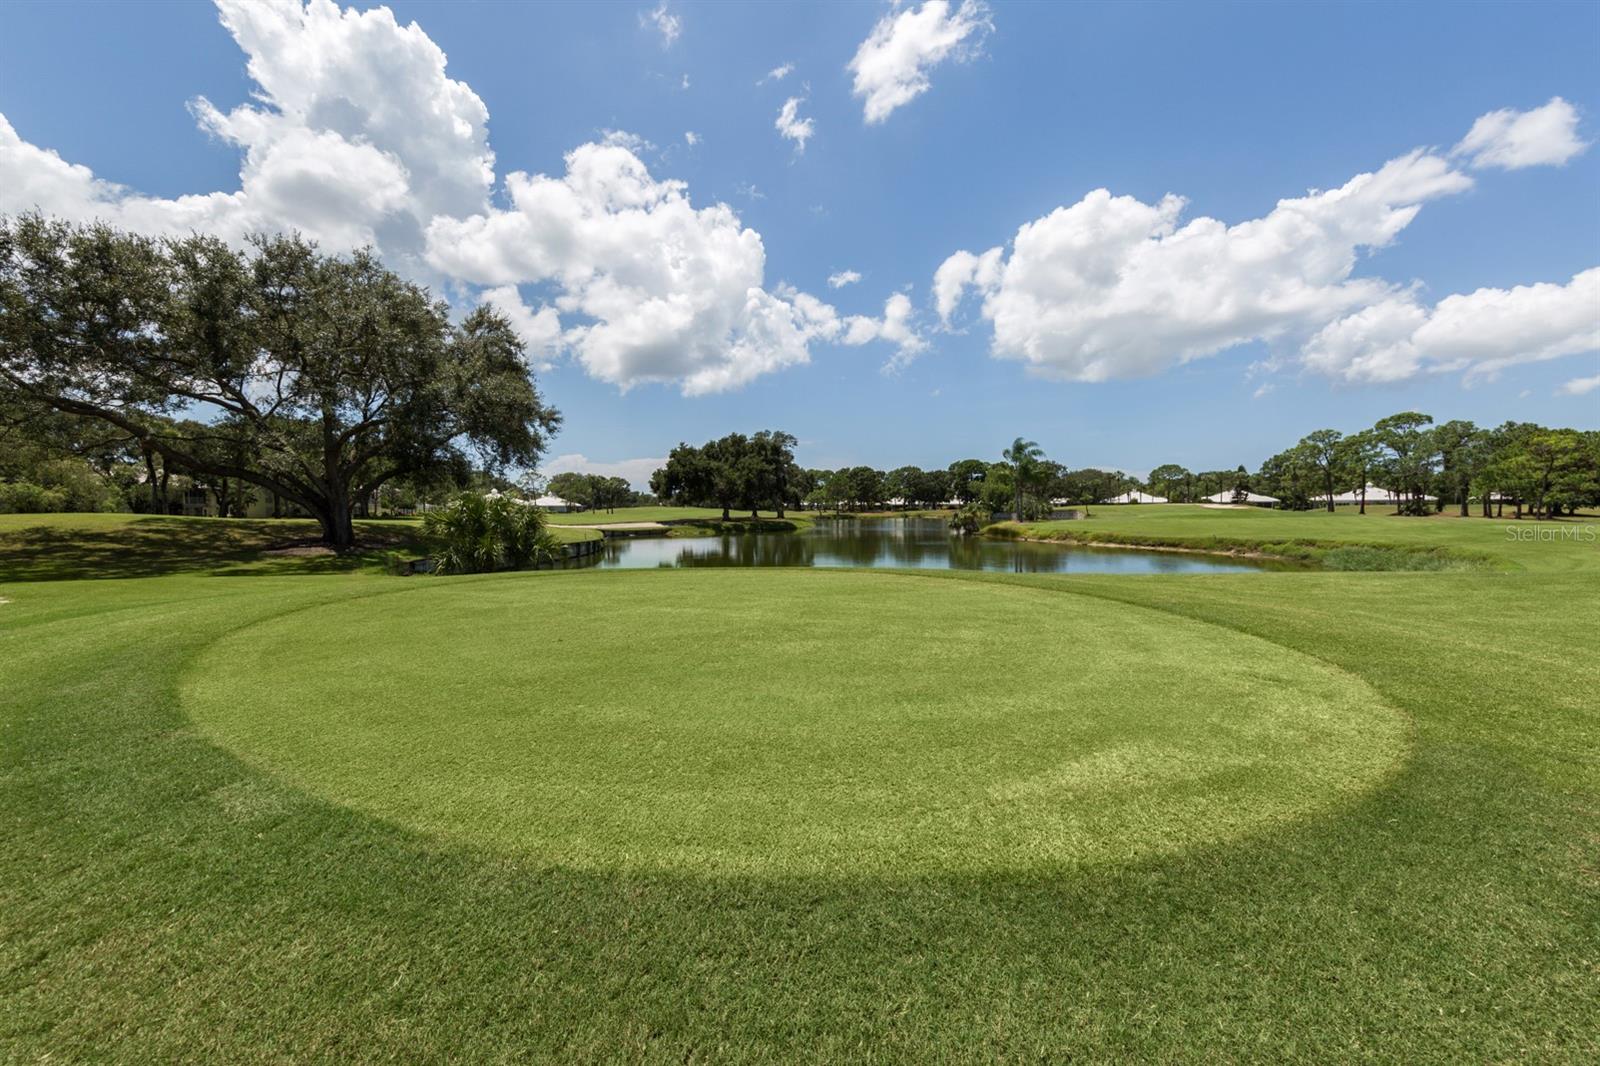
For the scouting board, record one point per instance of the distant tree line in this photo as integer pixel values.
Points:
(1426, 466)
(1530, 468)
(594, 492)
(758, 472)
(58, 463)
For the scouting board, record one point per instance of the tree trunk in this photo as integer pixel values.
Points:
(333, 515)
(725, 514)
(344, 529)
(150, 477)
(338, 530)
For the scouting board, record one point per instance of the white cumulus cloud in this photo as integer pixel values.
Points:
(1112, 287)
(691, 138)
(355, 135)
(959, 271)
(777, 73)
(666, 292)
(1480, 332)
(791, 126)
(891, 66)
(895, 327)
(843, 278)
(1511, 140)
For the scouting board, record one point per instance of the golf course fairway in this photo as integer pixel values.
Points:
(790, 722)
(263, 808)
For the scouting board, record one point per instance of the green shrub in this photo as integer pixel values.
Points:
(970, 518)
(60, 485)
(475, 534)
(24, 497)
(80, 487)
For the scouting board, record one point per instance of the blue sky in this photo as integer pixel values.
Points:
(1115, 335)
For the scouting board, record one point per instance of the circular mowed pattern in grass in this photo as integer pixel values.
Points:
(790, 722)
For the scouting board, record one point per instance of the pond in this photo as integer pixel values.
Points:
(915, 543)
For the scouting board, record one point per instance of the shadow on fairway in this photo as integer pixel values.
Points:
(156, 546)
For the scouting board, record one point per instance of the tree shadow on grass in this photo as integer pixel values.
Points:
(158, 546)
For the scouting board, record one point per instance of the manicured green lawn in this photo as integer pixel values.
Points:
(789, 816)
(571, 536)
(1527, 544)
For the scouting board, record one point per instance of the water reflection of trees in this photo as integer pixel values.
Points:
(758, 549)
(907, 543)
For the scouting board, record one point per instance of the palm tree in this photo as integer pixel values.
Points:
(1024, 457)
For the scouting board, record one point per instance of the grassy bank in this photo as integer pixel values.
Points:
(1344, 540)
(773, 815)
(55, 547)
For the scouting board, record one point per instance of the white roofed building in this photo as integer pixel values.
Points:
(556, 503)
(1375, 494)
(1243, 497)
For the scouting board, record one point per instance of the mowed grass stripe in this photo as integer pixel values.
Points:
(690, 722)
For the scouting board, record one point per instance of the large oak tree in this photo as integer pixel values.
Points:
(328, 375)
(733, 471)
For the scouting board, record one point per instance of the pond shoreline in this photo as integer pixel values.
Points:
(1227, 553)
(1299, 554)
